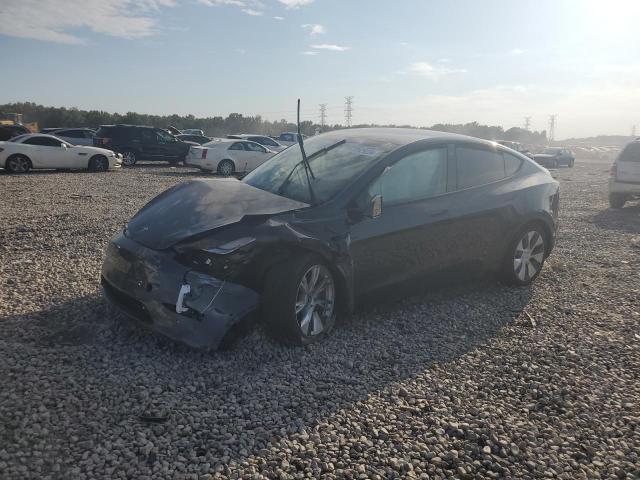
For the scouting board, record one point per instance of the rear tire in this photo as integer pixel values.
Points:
(226, 168)
(617, 200)
(129, 158)
(571, 162)
(98, 163)
(299, 300)
(525, 255)
(18, 163)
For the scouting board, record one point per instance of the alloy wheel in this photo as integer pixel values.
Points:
(128, 159)
(315, 300)
(226, 169)
(529, 255)
(19, 164)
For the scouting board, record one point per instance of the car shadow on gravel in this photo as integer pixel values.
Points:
(625, 219)
(260, 392)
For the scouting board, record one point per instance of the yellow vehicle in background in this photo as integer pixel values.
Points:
(11, 125)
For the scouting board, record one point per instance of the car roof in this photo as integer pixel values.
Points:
(31, 135)
(402, 136)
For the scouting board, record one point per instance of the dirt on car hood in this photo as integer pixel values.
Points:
(198, 206)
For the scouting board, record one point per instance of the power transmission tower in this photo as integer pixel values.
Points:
(348, 110)
(552, 127)
(633, 131)
(323, 114)
(527, 123)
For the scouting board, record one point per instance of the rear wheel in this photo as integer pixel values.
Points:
(571, 162)
(99, 163)
(617, 200)
(129, 158)
(525, 256)
(299, 300)
(226, 168)
(18, 164)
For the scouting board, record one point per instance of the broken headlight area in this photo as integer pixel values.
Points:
(215, 258)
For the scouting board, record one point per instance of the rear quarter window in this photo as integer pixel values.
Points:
(478, 166)
(511, 164)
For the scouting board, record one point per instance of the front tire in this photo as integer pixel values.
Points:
(299, 300)
(617, 200)
(129, 158)
(18, 163)
(226, 168)
(99, 163)
(525, 256)
(571, 162)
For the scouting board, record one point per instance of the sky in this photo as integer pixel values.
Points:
(417, 62)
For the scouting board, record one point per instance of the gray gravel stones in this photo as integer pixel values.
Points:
(457, 382)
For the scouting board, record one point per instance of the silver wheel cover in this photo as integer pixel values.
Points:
(315, 300)
(529, 255)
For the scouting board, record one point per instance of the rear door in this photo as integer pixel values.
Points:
(628, 170)
(482, 205)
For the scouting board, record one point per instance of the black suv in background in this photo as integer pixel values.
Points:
(141, 143)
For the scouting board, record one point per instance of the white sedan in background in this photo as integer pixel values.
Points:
(228, 156)
(35, 150)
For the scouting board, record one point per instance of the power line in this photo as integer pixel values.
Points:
(552, 127)
(527, 123)
(323, 114)
(348, 110)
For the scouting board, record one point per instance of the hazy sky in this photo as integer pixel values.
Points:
(405, 61)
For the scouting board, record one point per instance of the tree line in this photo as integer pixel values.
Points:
(219, 126)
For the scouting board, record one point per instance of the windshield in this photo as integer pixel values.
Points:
(551, 151)
(343, 160)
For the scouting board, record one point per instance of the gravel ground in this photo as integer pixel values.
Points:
(470, 381)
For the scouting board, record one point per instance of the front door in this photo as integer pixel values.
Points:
(411, 235)
(256, 155)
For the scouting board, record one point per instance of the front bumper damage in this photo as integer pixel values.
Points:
(152, 287)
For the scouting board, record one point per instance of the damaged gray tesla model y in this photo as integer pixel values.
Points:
(313, 229)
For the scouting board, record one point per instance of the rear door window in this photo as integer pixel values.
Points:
(236, 146)
(478, 166)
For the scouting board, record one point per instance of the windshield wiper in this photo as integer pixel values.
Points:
(322, 151)
(307, 167)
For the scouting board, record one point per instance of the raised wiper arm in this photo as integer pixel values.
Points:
(322, 151)
(307, 167)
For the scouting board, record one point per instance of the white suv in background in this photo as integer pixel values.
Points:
(624, 183)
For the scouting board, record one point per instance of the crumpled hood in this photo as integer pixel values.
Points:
(198, 206)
